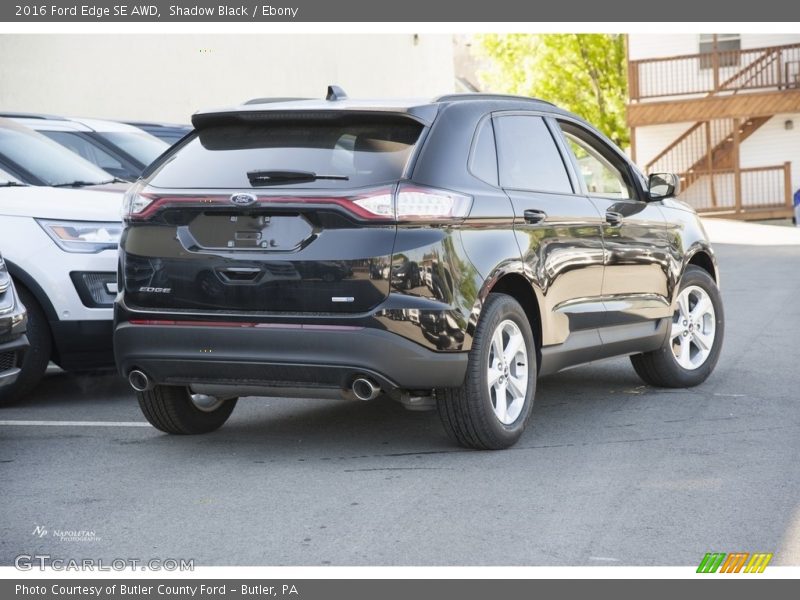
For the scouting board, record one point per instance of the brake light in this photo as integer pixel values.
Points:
(423, 203)
(404, 202)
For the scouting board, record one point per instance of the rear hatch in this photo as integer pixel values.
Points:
(288, 212)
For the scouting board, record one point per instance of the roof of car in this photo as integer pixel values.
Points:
(157, 124)
(54, 123)
(105, 126)
(424, 109)
(27, 115)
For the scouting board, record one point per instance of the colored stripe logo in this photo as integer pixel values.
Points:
(735, 562)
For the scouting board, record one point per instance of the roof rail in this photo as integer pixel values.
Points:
(26, 115)
(487, 96)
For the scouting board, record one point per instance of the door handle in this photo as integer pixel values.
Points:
(534, 216)
(614, 218)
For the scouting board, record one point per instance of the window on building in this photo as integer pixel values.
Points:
(726, 44)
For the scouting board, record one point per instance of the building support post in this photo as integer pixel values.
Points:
(787, 185)
(737, 173)
(710, 165)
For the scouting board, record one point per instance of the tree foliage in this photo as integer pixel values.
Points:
(583, 73)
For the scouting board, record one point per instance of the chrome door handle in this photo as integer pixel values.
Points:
(534, 216)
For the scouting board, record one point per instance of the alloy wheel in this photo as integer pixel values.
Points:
(507, 372)
(693, 328)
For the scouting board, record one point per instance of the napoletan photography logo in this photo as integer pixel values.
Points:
(66, 535)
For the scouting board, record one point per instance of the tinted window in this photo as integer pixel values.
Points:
(483, 163)
(601, 170)
(364, 149)
(83, 147)
(529, 158)
(46, 160)
(141, 146)
(6, 176)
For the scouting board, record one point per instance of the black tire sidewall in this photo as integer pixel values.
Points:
(170, 409)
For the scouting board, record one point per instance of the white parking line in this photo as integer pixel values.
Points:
(77, 423)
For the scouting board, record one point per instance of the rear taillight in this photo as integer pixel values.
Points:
(403, 202)
(416, 203)
(423, 203)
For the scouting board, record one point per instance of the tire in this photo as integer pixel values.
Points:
(36, 357)
(667, 367)
(470, 413)
(172, 410)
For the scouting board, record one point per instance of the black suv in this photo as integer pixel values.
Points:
(13, 321)
(444, 252)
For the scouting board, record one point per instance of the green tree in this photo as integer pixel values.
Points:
(583, 73)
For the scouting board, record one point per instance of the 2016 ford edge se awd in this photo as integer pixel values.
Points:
(446, 251)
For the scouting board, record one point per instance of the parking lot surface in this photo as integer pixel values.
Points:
(611, 472)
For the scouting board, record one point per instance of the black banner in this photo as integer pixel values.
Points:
(407, 11)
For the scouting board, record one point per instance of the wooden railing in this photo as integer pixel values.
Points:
(739, 192)
(718, 72)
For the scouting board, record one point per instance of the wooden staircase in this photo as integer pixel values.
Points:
(704, 89)
(705, 147)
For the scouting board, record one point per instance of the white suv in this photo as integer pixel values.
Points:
(119, 149)
(60, 247)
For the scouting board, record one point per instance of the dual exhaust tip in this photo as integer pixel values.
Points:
(362, 388)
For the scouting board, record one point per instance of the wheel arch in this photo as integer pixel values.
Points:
(519, 288)
(23, 279)
(703, 258)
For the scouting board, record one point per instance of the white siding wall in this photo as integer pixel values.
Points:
(642, 45)
(771, 145)
(168, 77)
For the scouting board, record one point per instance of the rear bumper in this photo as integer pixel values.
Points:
(278, 355)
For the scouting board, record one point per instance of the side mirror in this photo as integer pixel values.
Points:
(663, 185)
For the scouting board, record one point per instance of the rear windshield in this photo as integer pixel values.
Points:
(355, 150)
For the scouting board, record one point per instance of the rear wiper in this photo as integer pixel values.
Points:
(279, 177)
(79, 183)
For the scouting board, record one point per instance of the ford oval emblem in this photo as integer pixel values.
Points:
(243, 199)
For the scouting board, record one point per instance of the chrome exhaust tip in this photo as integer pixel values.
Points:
(365, 389)
(140, 381)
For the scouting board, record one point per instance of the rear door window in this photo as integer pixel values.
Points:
(528, 156)
(356, 150)
(483, 162)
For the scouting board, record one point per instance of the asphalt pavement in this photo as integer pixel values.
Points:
(611, 472)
